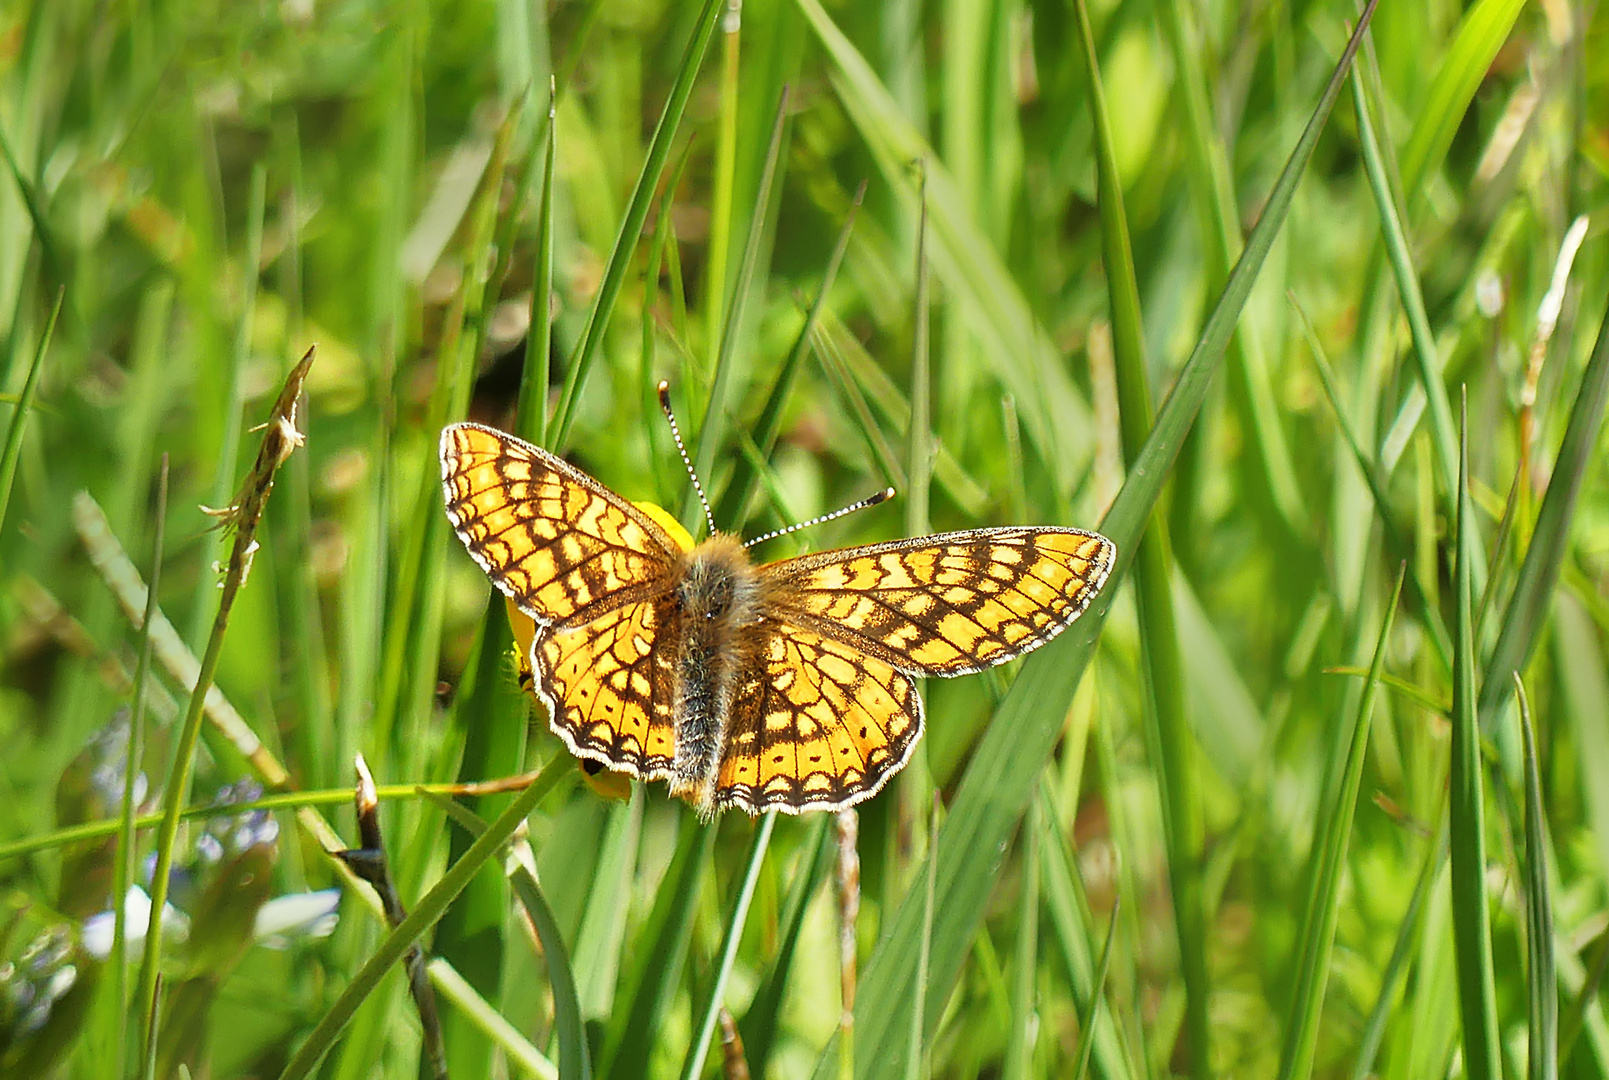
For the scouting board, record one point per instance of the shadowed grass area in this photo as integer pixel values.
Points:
(993, 254)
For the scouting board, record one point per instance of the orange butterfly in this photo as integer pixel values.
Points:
(788, 685)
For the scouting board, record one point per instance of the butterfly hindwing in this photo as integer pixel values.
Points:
(555, 541)
(607, 688)
(818, 725)
(949, 604)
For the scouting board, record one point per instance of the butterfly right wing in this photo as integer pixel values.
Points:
(552, 539)
(817, 725)
(950, 604)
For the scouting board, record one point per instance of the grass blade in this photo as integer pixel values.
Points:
(1317, 941)
(1466, 819)
(710, 431)
(19, 415)
(694, 1066)
(659, 954)
(420, 919)
(1443, 437)
(1526, 614)
(614, 275)
(1542, 980)
(1167, 713)
(1086, 1034)
(534, 378)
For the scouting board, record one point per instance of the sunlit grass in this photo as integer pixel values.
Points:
(824, 224)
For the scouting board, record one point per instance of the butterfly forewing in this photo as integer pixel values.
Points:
(819, 726)
(555, 541)
(607, 688)
(948, 604)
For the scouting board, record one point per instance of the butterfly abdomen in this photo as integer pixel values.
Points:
(718, 604)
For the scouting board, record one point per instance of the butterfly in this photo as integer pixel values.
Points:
(788, 685)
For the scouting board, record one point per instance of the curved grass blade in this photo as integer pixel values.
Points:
(1210, 174)
(1396, 968)
(998, 783)
(963, 258)
(1428, 363)
(1025, 956)
(534, 376)
(1397, 540)
(1324, 887)
(575, 1062)
(1482, 33)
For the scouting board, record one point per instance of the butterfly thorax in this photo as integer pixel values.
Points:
(719, 603)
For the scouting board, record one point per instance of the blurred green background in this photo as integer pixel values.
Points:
(209, 189)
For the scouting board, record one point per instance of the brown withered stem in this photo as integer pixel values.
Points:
(369, 863)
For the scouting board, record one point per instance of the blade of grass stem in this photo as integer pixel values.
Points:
(1484, 29)
(1086, 1029)
(693, 1068)
(759, 1025)
(25, 401)
(1397, 540)
(919, 434)
(1166, 712)
(965, 260)
(1396, 968)
(233, 407)
(534, 375)
(720, 237)
(123, 861)
(631, 226)
(710, 432)
(659, 955)
(1527, 610)
(1219, 208)
(1025, 956)
(997, 784)
(733, 506)
(1428, 364)
(916, 1060)
(1072, 929)
(1317, 940)
(1541, 978)
(1466, 818)
(575, 1061)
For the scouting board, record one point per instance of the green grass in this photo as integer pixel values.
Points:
(1220, 298)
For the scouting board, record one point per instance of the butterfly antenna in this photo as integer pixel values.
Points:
(676, 433)
(871, 500)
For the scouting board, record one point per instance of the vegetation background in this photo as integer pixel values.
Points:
(1275, 823)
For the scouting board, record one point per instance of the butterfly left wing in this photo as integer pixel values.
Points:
(552, 539)
(817, 725)
(949, 604)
